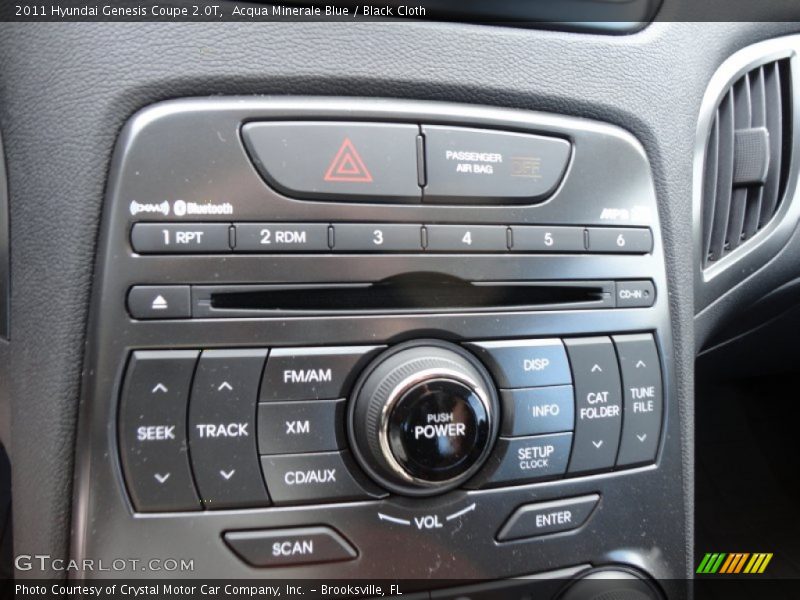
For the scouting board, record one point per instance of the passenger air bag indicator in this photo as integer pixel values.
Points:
(483, 166)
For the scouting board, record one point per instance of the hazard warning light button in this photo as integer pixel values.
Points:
(363, 162)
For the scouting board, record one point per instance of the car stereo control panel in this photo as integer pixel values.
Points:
(320, 324)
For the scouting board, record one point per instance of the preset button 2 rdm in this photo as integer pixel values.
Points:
(253, 427)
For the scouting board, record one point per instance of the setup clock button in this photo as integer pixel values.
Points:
(524, 460)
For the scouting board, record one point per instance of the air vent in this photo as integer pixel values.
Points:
(747, 159)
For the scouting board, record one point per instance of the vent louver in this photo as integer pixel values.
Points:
(747, 159)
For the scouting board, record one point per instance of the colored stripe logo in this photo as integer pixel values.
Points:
(734, 563)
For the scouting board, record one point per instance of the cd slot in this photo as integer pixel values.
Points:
(411, 293)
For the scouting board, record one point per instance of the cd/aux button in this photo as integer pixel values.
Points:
(309, 478)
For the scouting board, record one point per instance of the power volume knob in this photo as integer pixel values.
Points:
(423, 418)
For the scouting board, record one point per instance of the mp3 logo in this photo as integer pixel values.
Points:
(139, 207)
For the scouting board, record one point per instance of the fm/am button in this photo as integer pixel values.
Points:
(312, 373)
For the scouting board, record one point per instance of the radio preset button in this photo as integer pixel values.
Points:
(180, 238)
(289, 547)
(466, 165)
(598, 403)
(526, 363)
(313, 373)
(525, 459)
(222, 435)
(630, 240)
(377, 237)
(281, 237)
(547, 239)
(152, 430)
(643, 397)
(309, 478)
(534, 411)
(467, 238)
(300, 426)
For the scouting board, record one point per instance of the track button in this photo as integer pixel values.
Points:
(289, 547)
(222, 436)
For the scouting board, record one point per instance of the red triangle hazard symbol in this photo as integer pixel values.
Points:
(347, 165)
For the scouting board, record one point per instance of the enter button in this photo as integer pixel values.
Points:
(544, 518)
